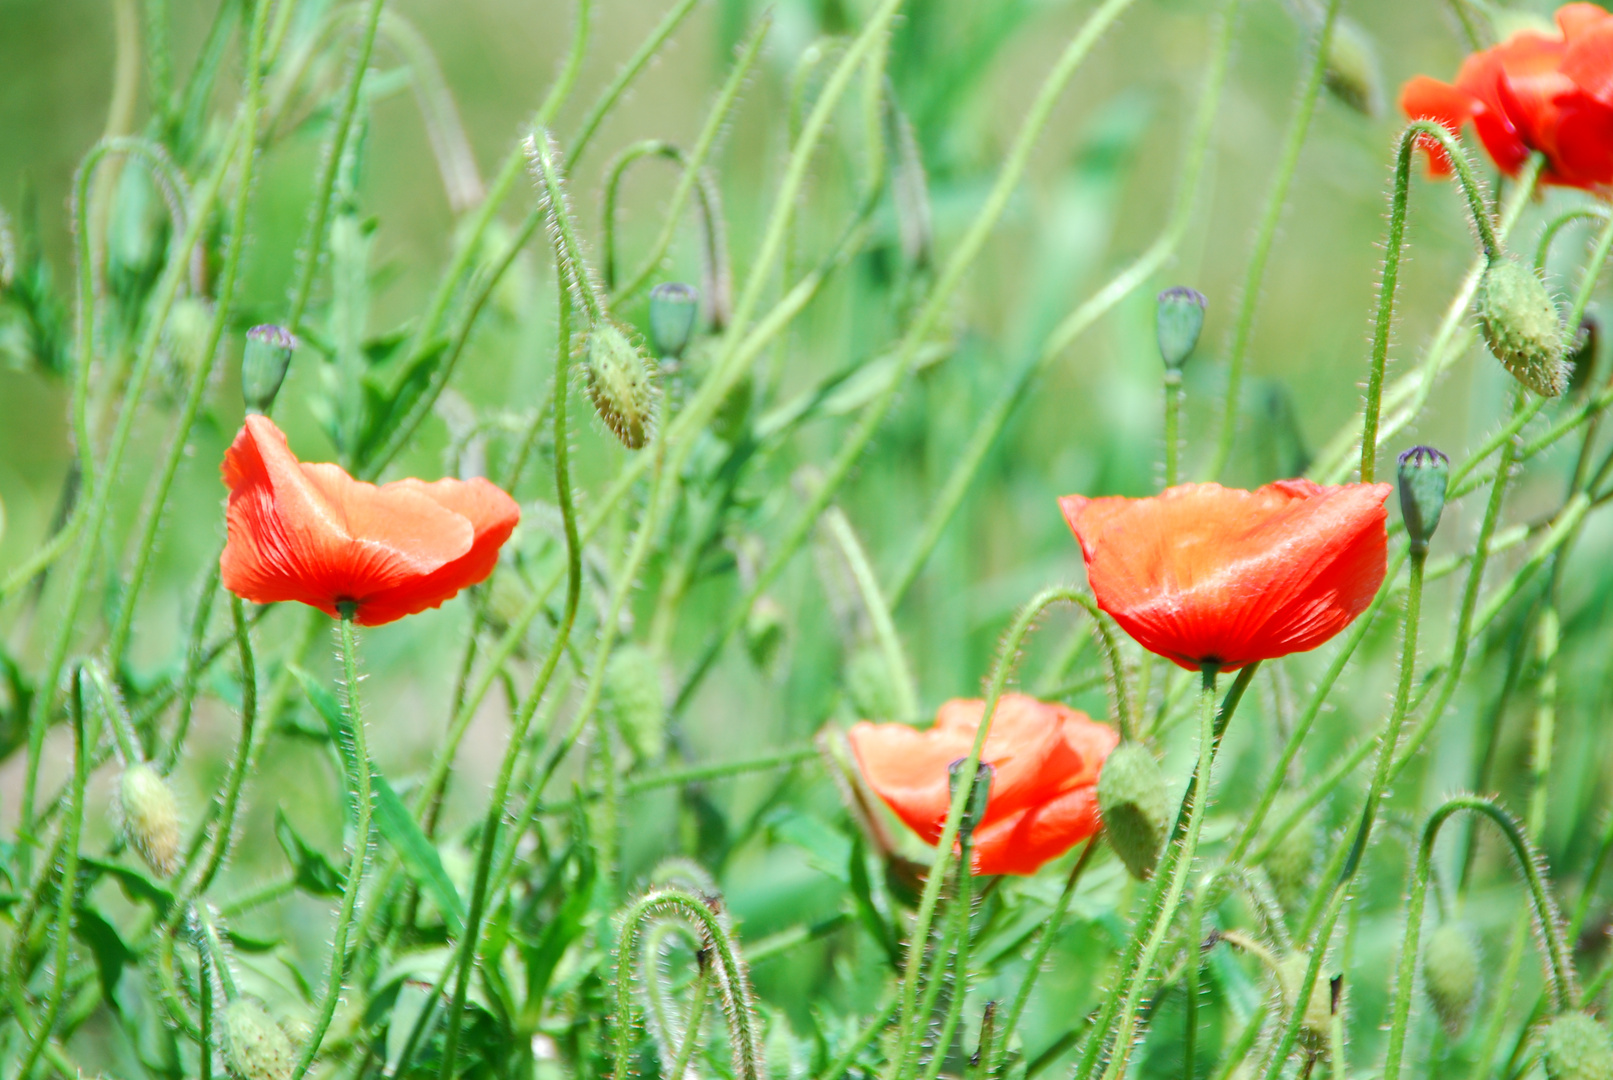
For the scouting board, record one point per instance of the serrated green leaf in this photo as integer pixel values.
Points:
(315, 874)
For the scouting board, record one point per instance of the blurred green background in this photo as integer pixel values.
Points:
(1100, 188)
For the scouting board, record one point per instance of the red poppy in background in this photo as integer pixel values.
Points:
(1201, 574)
(1534, 91)
(313, 534)
(1045, 762)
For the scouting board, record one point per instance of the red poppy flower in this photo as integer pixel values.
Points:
(313, 534)
(1534, 91)
(1203, 574)
(1045, 762)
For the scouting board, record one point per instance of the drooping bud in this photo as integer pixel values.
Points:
(137, 236)
(1522, 327)
(1452, 971)
(1352, 69)
(1319, 1008)
(1575, 1046)
(1135, 807)
(150, 817)
(1178, 323)
(255, 1048)
(1582, 354)
(974, 811)
(1425, 475)
(264, 363)
(619, 384)
(1290, 862)
(869, 683)
(764, 632)
(674, 307)
(635, 701)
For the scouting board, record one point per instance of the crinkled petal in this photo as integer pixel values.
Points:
(1028, 840)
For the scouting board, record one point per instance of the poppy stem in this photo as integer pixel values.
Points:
(1410, 137)
(543, 159)
(1173, 420)
(359, 787)
(1293, 142)
(1198, 798)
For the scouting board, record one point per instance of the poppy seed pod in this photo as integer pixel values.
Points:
(150, 817)
(1135, 807)
(1178, 323)
(673, 309)
(1522, 327)
(255, 1048)
(619, 384)
(1424, 476)
(1319, 1009)
(264, 363)
(1575, 1046)
(1452, 970)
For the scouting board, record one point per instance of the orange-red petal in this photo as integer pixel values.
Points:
(1028, 840)
(1203, 574)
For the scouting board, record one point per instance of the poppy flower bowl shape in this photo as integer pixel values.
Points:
(1535, 91)
(1214, 577)
(1044, 758)
(313, 534)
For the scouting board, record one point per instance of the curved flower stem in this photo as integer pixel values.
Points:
(222, 311)
(359, 788)
(1293, 142)
(1319, 919)
(1137, 977)
(879, 613)
(1549, 234)
(636, 63)
(335, 149)
(465, 957)
(1559, 970)
(67, 891)
(1414, 133)
(991, 425)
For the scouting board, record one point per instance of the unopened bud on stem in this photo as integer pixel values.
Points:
(1522, 327)
(1425, 474)
(1575, 1046)
(1135, 806)
(1178, 323)
(150, 817)
(674, 307)
(264, 364)
(254, 1045)
(619, 383)
(1452, 971)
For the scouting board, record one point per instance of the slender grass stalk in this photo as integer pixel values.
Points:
(358, 786)
(1299, 124)
(879, 614)
(624, 78)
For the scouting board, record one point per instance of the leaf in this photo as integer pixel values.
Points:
(392, 819)
(110, 953)
(248, 943)
(862, 891)
(315, 874)
(543, 957)
(135, 884)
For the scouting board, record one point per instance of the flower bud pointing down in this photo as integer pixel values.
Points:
(1452, 970)
(264, 364)
(673, 309)
(1178, 323)
(254, 1045)
(1522, 327)
(1424, 477)
(1135, 807)
(1575, 1046)
(150, 817)
(619, 384)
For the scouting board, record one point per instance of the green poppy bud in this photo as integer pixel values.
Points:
(674, 307)
(1575, 1046)
(1425, 475)
(1522, 327)
(1319, 1009)
(764, 632)
(255, 1048)
(137, 236)
(1135, 807)
(619, 384)
(263, 365)
(1290, 862)
(869, 683)
(150, 817)
(1582, 355)
(1178, 323)
(635, 701)
(1452, 971)
(1351, 74)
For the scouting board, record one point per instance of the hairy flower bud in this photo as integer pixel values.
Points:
(1424, 477)
(619, 384)
(869, 683)
(137, 235)
(150, 817)
(255, 1048)
(1352, 69)
(264, 363)
(764, 632)
(1319, 1009)
(1178, 323)
(1452, 970)
(1522, 327)
(635, 701)
(1135, 807)
(1290, 861)
(673, 309)
(1575, 1046)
